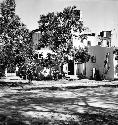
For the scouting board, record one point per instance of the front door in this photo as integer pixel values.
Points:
(71, 67)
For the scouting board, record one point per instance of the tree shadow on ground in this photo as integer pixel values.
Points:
(17, 103)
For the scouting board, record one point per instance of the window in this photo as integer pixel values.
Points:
(93, 59)
(40, 56)
(89, 43)
(99, 43)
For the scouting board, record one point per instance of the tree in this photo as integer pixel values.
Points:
(14, 35)
(56, 31)
(81, 55)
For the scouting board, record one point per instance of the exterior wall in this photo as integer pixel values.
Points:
(104, 43)
(65, 68)
(35, 38)
(115, 67)
(77, 42)
(100, 54)
(44, 51)
(114, 38)
(92, 40)
(79, 68)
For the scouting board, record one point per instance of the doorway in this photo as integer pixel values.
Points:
(71, 67)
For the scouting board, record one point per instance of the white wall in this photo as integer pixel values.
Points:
(114, 38)
(115, 64)
(92, 39)
(36, 36)
(77, 42)
(100, 54)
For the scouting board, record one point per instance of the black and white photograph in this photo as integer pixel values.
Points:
(58, 62)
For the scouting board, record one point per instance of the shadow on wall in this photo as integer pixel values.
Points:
(96, 75)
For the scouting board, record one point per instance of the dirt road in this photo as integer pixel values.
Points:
(55, 105)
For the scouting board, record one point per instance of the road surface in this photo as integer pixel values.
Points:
(101, 103)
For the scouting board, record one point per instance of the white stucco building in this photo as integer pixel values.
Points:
(102, 64)
(90, 39)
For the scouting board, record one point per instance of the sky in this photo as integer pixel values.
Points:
(98, 15)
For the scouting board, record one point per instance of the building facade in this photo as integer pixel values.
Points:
(36, 35)
(102, 64)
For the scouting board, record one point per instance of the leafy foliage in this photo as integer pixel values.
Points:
(56, 28)
(81, 55)
(14, 35)
(56, 32)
